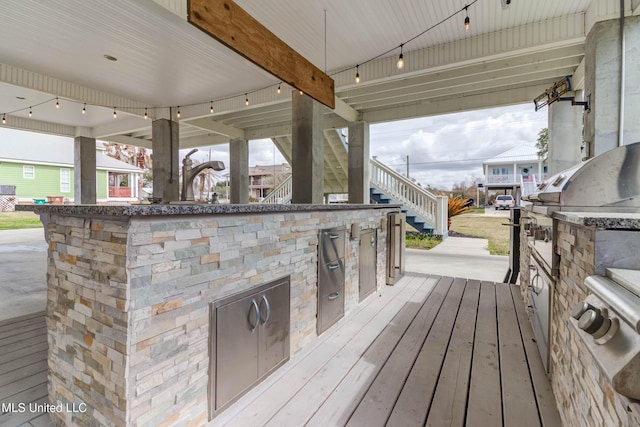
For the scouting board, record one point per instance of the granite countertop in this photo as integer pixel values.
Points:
(609, 220)
(186, 209)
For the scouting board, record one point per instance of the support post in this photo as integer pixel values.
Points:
(358, 152)
(165, 143)
(84, 170)
(307, 151)
(239, 169)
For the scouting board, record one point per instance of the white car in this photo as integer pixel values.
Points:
(504, 202)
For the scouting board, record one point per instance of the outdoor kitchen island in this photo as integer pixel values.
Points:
(131, 290)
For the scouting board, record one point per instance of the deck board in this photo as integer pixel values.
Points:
(23, 369)
(460, 354)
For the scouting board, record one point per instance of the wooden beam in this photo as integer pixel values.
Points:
(232, 26)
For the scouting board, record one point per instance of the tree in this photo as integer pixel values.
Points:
(542, 144)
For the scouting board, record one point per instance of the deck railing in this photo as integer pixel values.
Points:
(119, 191)
(281, 194)
(424, 204)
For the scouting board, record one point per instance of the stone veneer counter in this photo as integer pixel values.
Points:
(585, 243)
(608, 220)
(130, 288)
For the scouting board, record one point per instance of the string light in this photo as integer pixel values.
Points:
(211, 109)
(357, 74)
(178, 113)
(400, 63)
(301, 93)
(467, 21)
(246, 99)
(278, 88)
(30, 113)
(57, 103)
(4, 119)
(115, 115)
(84, 108)
(145, 113)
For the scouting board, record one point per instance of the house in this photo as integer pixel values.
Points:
(518, 170)
(263, 179)
(42, 169)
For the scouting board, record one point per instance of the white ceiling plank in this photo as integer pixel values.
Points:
(212, 125)
(21, 123)
(128, 125)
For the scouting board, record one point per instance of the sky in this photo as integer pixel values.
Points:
(443, 150)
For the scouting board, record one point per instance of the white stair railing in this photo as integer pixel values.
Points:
(281, 194)
(428, 206)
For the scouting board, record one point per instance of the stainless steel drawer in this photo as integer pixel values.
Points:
(331, 277)
(330, 309)
(331, 245)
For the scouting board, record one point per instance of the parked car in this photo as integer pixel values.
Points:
(504, 202)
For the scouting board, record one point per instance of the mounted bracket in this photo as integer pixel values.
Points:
(586, 104)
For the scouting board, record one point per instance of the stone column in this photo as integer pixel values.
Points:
(84, 170)
(165, 143)
(239, 169)
(565, 134)
(308, 150)
(359, 162)
(602, 81)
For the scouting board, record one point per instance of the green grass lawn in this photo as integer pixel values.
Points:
(490, 228)
(16, 220)
(421, 241)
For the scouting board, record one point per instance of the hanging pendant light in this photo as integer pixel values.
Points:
(357, 74)
(400, 63)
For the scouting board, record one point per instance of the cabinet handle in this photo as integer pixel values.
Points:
(334, 236)
(334, 266)
(334, 295)
(268, 307)
(255, 305)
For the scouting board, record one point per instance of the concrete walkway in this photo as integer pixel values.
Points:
(23, 267)
(465, 257)
(23, 272)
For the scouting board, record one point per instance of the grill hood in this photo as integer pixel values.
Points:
(609, 182)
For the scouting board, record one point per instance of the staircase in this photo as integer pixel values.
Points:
(425, 212)
(528, 185)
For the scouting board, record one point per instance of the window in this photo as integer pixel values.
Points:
(544, 169)
(496, 171)
(28, 172)
(505, 171)
(65, 180)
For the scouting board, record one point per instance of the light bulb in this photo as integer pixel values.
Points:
(178, 113)
(145, 114)
(278, 89)
(357, 74)
(4, 119)
(211, 109)
(114, 113)
(246, 99)
(301, 93)
(400, 63)
(57, 103)
(84, 108)
(30, 113)
(466, 23)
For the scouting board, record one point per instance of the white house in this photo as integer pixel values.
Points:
(518, 170)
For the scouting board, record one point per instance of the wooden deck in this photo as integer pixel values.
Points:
(430, 350)
(23, 370)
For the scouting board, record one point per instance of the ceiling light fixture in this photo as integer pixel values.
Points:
(357, 74)
(467, 21)
(84, 108)
(57, 103)
(400, 63)
(145, 113)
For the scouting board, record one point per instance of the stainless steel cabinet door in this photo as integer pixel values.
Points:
(273, 340)
(330, 294)
(367, 269)
(331, 245)
(237, 328)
